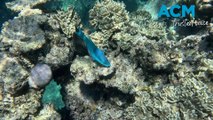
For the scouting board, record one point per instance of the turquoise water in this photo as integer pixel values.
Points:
(5, 13)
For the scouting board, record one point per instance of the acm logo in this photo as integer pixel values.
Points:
(171, 12)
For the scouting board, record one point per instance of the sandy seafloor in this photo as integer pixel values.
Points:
(158, 70)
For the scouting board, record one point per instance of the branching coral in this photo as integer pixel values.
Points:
(108, 16)
(67, 20)
(147, 26)
(112, 22)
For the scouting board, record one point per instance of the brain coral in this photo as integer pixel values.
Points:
(108, 15)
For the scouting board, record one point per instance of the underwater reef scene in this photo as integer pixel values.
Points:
(105, 60)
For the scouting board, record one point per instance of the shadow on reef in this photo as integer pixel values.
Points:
(62, 76)
(206, 44)
(98, 91)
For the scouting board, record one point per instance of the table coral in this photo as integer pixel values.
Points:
(18, 5)
(23, 34)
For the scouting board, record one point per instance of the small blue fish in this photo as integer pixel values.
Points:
(95, 53)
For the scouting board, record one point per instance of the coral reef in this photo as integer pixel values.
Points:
(174, 102)
(12, 79)
(59, 56)
(18, 5)
(149, 27)
(151, 75)
(108, 16)
(68, 20)
(161, 84)
(126, 26)
(29, 11)
(38, 45)
(47, 113)
(75, 102)
(113, 76)
(20, 107)
(60, 49)
(23, 34)
(112, 22)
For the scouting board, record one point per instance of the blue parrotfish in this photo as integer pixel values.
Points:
(95, 53)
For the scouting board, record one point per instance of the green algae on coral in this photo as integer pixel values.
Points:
(53, 96)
